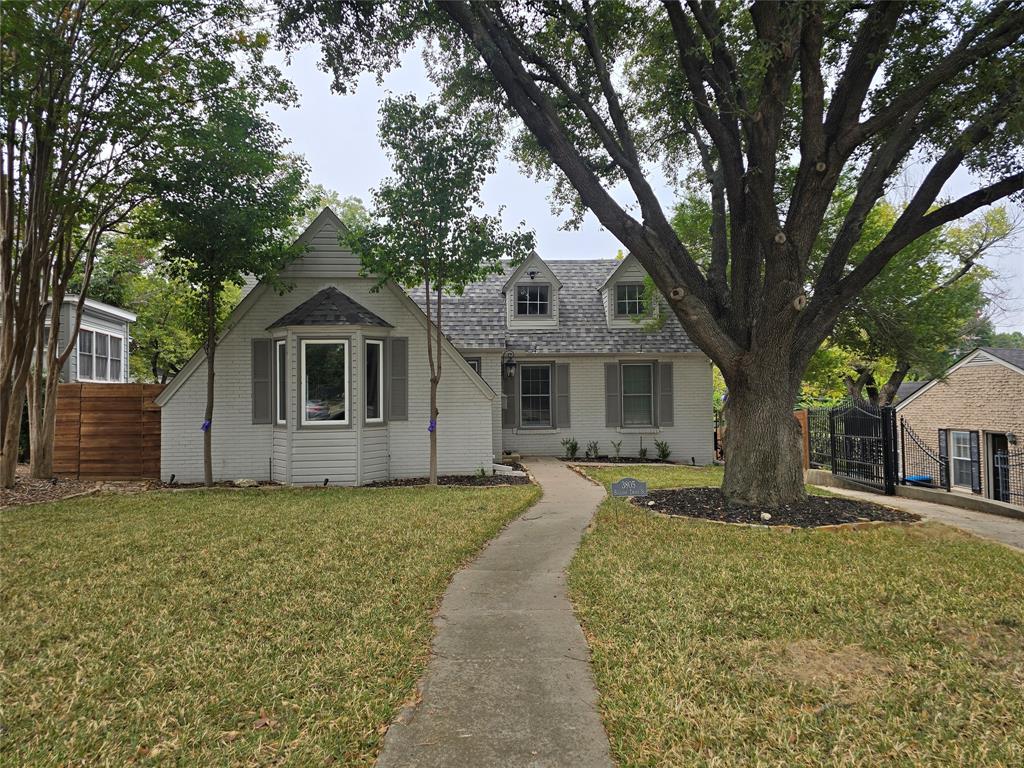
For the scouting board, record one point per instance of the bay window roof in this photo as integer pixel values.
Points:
(330, 307)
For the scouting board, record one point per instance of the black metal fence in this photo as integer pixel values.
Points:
(920, 464)
(1008, 477)
(864, 445)
(819, 438)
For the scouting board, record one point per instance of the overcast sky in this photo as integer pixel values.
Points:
(338, 137)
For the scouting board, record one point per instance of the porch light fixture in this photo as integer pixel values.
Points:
(1011, 438)
(508, 364)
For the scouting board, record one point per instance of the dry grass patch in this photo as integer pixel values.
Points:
(280, 627)
(729, 646)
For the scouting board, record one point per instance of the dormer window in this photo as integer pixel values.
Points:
(533, 300)
(629, 300)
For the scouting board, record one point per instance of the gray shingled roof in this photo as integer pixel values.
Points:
(476, 320)
(1011, 356)
(907, 388)
(330, 307)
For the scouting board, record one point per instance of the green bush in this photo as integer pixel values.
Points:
(571, 447)
(593, 449)
(663, 450)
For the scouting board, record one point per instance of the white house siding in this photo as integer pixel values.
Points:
(464, 439)
(374, 454)
(244, 449)
(280, 456)
(689, 438)
(491, 371)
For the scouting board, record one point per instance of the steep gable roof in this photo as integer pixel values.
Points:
(476, 319)
(533, 261)
(1014, 357)
(330, 306)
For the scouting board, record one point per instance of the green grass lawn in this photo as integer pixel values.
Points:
(670, 476)
(717, 645)
(281, 627)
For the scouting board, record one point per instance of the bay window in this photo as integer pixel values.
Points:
(324, 381)
(374, 381)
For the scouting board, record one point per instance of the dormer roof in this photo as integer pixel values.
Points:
(623, 264)
(533, 261)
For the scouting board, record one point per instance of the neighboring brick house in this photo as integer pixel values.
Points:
(970, 413)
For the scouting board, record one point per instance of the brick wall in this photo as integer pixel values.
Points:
(986, 397)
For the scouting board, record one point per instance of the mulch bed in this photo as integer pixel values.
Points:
(482, 480)
(29, 491)
(610, 460)
(812, 512)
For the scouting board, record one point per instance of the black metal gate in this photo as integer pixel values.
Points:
(1008, 476)
(863, 445)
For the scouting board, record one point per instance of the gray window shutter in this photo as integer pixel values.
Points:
(262, 391)
(562, 395)
(510, 404)
(666, 408)
(398, 380)
(612, 406)
(944, 468)
(975, 462)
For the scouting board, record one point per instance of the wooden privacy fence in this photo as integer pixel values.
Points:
(107, 431)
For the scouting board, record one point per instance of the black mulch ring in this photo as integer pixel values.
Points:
(453, 480)
(813, 511)
(608, 460)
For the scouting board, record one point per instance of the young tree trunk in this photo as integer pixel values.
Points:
(763, 444)
(433, 431)
(211, 349)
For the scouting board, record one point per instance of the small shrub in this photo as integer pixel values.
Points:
(663, 450)
(617, 447)
(481, 472)
(593, 449)
(642, 453)
(571, 447)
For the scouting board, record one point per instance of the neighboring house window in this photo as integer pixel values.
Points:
(100, 356)
(374, 381)
(474, 363)
(535, 395)
(960, 454)
(280, 379)
(629, 300)
(533, 300)
(637, 394)
(324, 381)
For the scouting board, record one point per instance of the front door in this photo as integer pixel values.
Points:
(998, 469)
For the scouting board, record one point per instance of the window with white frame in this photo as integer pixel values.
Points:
(535, 395)
(374, 381)
(533, 300)
(637, 394)
(960, 456)
(324, 381)
(629, 300)
(280, 381)
(100, 356)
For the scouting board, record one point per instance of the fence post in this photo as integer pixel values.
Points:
(832, 439)
(888, 449)
(903, 451)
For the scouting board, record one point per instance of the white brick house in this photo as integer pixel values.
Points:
(330, 381)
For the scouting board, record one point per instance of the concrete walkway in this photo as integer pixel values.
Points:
(510, 682)
(1005, 530)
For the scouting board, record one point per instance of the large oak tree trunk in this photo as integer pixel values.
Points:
(763, 443)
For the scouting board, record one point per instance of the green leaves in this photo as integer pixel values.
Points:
(427, 226)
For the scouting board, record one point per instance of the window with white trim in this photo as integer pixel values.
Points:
(280, 381)
(629, 300)
(100, 356)
(535, 395)
(533, 300)
(374, 381)
(324, 381)
(960, 457)
(637, 395)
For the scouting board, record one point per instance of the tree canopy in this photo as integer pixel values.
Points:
(775, 105)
